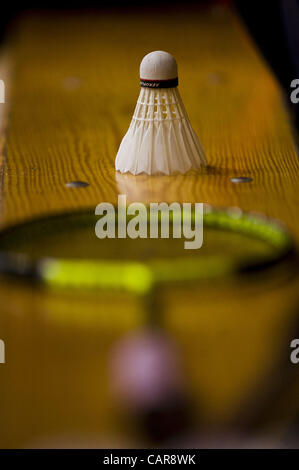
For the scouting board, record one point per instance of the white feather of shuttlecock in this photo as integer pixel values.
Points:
(160, 138)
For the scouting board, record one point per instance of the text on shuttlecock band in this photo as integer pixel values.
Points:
(172, 83)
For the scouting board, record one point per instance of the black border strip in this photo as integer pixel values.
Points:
(172, 83)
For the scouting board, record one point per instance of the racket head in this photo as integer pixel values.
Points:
(63, 251)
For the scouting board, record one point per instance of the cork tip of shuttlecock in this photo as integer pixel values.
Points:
(158, 65)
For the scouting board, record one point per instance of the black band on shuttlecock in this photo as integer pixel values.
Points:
(173, 82)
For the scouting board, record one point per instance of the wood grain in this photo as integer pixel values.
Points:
(73, 93)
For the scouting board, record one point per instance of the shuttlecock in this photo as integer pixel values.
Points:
(160, 138)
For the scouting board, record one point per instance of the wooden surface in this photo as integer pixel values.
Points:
(73, 92)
